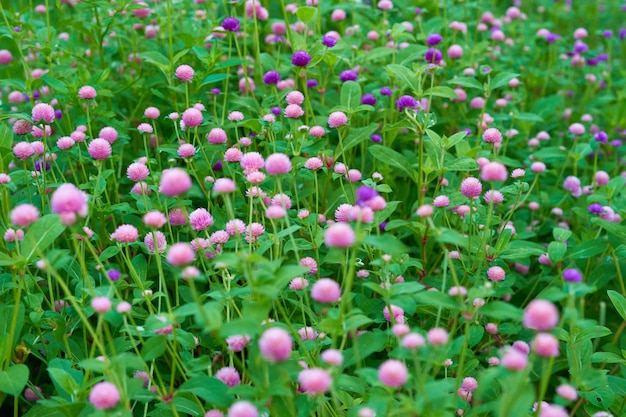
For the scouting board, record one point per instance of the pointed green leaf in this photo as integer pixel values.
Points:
(40, 235)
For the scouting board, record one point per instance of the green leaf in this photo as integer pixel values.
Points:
(454, 139)
(614, 228)
(213, 78)
(156, 58)
(40, 235)
(556, 251)
(14, 379)
(55, 83)
(529, 117)
(619, 302)
(392, 158)
(406, 77)
(461, 164)
(466, 82)
(521, 249)
(154, 347)
(440, 91)
(6, 259)
(211, 390)
(589, 248)
(350, 94)
(64, 380)
(306, 13)
(547, 106)
(502, 79)
(502, 311)
(387, 243)
(358, 135)
(109, 252)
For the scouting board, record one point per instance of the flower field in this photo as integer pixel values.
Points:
(322, 208)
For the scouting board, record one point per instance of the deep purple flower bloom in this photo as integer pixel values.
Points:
(218, 165)
(386, 91)
(601, 137)
(433, 55)
(114, 274)
(39, 164)
(329, 41)
(300, 59)
(607, 34)
(36, 94)
(592, 62)
(382, 226)
(433, 39)
(418, 10)
(552, 37)
(231, 24)
(311, 83)
(404, 102)
(348, 75)
(276, 111)
(603, 57)
(368, 99)
(595, 208)
(365, 194)
(215, 91)
(572, 275)
(17, 29)
(376, 138)
(616, 143)
(58, 114)
(271, 77)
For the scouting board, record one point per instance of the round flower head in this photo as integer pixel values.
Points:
(224, 185)
(496, 273)
(101, 304)
(180, 254)
(243, 409)
(337, 119)
(99, 149)
(108, 133)
(293, 111)
(572, 275)
(314, 381)
(200, 219)
(275, 344)
(393, 373)
(104, 395)
(24, 215)
(326, 290)
(567, 392)
(300, 59)
(514, 360)
(493, 171)
(433, 39)
(229, 376)
(43, 111)
(161, 243)
(23, 150)
(87, 92)
(174, 181)
(437, 336)
(492, 135)
(125, 233)
(192, 117)
(184, 73)
(154, 219)
(540, 315)
(332, 357)
(339, 235)
(137, 171)
(471, 187)
(329, 41)
(295, 97)
(69, 199)
(231, 24)
(216, 136)
(271, 77)
(277, 164)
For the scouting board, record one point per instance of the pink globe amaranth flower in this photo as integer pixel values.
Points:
(99, 149)
(281, 200)
(332, 357)
(276, 344)
(309, 263)
(251, 161)
(294, 111)
(396, 312)
(229, 376)
(69, 199)
(437, 336)
(145, 128)
(295, 97)
(298, 283)
(224, 185)
(425, 210)
(65, 143)
(125, 233)
(496, 273)
(186, 150)
(275, 212)
(337, 119)
(493, 171)
(393, 373)
(339, 235)
(235, 227)
(23, 150)
(441, 201)
(24, 215)
(413, 341)
(314, 381)
(5, 57)
(313, 163)
(233, 155)
(544, 344)
(492, 135)
(514, 360)
(152, 113)
(220, 237)
(192, 117)
(101, 304)
(455, 51)
(317, 131)
(104, 395)
(180, 254)
(214, 413)
(216, 136)
(235, 116)
(277, 163)
(326, 290)
(247, 85)
(184, 73)
(43, 111)
(493, 195)
(538, 167)
(31, 395)
(141, 188)
(243, 409)
(540, 315)
(385, 5)
(79, 136)
(87, 92)
(137, 171)
(154, 219)
(22, 127)
(471, 187)
(174, 181)
(161, 243)
(576, 129)
(200, 219)
(567, 392)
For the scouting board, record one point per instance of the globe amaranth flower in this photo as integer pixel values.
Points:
(329, 41)
(348, 75)
(231, 24)
(433, 39)
(365, 194)
(271, 77)
(433, 56)
(300, 58)
(572, 275)
(405, 102)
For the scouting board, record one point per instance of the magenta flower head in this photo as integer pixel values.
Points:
(276, 344)
(271, 77)
(326, 290)
(231, 24)
(471, 187)
(43, 111)
(87, 92)
(125, 233)
(192, 117)
(184, 73)
(277, 163)
(348, 75)
(405, 102)
(99, 149)
(104, 395)
(540, 315)
(314, 381)
(339, 235)
(300, 58)
(433, 56)
(329, 41)
(68, 199)
(337, 119)
(24, 215)
(393, 373)
(572, 275)
(243, 409)
(433, 39)
(174, 181)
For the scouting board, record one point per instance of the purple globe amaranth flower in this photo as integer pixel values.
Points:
(603, 57)
(376, 138)
(405, 102)
(433, 56)
(572, 275)
(39, 164)
(616, 142)
(592, 62)
(58, 114)
(418, 10)
(348, 75)
(433, 39)
(382, 226)
(231, 24)
(368, 99)
(36, 94)
(601, 137)
(365, 194)
(276, 111)
(215, 91)
(114, 274)
(607, 34)
(329, 41)
(552, 37)
(218, 165)
(311, 83)
(595, 208)
(621, 34)
(386, 91)
(271, 77)
(300, 58)
(580, 47)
